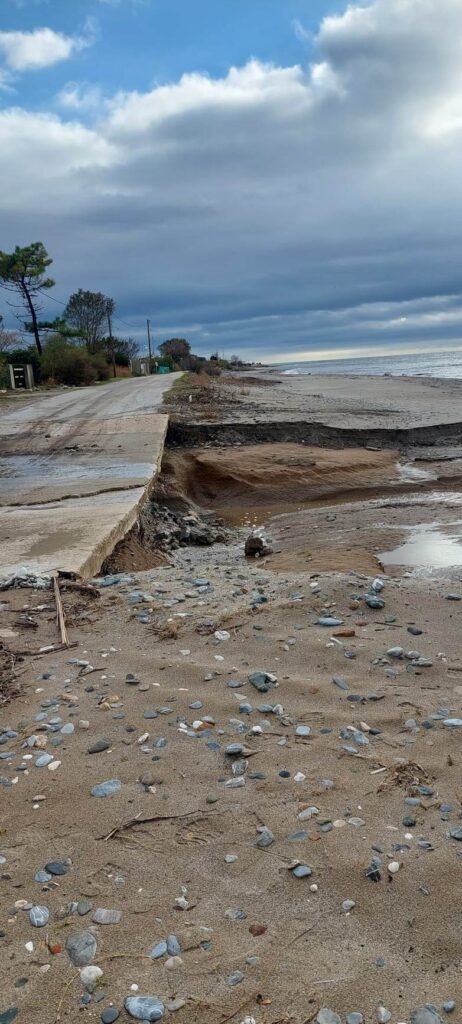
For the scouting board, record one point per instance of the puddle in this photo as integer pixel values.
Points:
(409, 472)
(427, 547)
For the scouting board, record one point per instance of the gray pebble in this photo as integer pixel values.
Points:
(110, 1015)
(146, 1008)
(39, 916)
(326, 1016)
(99, 746)
(106, 788)
(425, 1015)
(235, 978)
(81, 948)
(102, 916)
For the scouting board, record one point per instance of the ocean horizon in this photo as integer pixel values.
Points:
(424, 364)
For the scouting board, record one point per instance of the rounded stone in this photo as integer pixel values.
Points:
(81, 948)
(107, 788)
(145, 1008)
(110, 1015)
(39, 916)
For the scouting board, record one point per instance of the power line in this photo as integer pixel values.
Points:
(135, 327)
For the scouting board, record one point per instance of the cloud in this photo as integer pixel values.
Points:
(43, 47)
(80, 96)
(273, 209)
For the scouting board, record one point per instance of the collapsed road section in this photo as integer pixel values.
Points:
(75, 468)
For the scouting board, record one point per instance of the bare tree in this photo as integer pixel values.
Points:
(88, 313)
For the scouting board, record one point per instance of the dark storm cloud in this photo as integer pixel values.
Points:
(277, 209)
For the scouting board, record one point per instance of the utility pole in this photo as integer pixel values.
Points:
(149, 345)
(111, 344)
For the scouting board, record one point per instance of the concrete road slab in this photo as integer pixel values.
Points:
(74, 469)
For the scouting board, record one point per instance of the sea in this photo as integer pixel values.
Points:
(425, 364)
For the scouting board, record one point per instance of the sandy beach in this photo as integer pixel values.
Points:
(277, 734)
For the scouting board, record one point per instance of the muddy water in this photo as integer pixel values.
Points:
(427, 546)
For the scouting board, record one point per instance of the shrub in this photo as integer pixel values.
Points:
(72, 365)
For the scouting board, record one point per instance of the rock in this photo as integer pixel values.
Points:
(262, 681)
(8, 1016)
(382, 1014)
(256, 547)
(326, 1016)
(99, 746)
(158, 951)
(102, 916)
(266, 837)
(106, 788)
(341, 683)
(110, 1015)
(235, 978)
(42, 876)
(355, 1018)
(84, 907)
(449, 1006)
(81, 948)
(393, 867)
(302, 730)
(374, 602)
(173, 946)
(57, 868)
(425, 1015)
(90, 975)
(329, 622)
(348, 905)
(175, 1004)
(145, 1008)
(302, 871)
(39, 916)
(395, 652)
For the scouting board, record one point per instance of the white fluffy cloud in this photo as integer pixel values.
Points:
(26, 51)
(273, 208)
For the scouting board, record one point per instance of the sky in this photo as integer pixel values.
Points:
(276, 179)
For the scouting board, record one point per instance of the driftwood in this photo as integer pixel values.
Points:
(60, 613)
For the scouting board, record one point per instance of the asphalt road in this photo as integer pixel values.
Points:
(74, 467)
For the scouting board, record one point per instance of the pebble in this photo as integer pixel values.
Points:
(425, 1015)
(106, 788)
(235, 978)
(102, 916)
(55, 867)
(355, 1018)
(328, 621)
(382, 1014)
(145, 1008)
(90, 975)
(393, 867)
(8, 1016)
(81, 948)
(110, 1015)
(326, 1016)
(302, 871)
(348, 905)
(99, 746)
(39, 916)
(449, 1006)
(266, 837)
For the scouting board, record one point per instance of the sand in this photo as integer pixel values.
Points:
(330, 516)
(312, 953)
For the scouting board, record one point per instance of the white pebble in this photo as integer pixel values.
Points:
(173, 962)
(299, 777)
(90, 975)
(393, 867)
(313, 888)
(134, 988)
(30, 947)
(53, 766)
